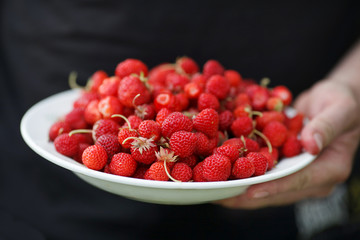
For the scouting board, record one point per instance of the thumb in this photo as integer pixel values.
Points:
(325, 126)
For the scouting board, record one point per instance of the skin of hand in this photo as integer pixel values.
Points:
(332, 133)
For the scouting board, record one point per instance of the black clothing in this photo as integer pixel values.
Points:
(292, 42)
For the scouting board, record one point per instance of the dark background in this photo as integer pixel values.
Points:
(294, 43)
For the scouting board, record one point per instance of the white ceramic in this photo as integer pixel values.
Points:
(35, 125)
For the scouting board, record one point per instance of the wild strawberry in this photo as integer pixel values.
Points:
(199, 79)
(109, 106)
(164, 100)
(283, 93)
(122, 164)
(260, 162)
(129, 88)
(110, 143)
(259, 98)
(181, 172)
(295, 124)
(140, 172)
(92, 113)
(198, 173)
(130, 66)
(274, 104)
(229, 151)
(176, 82)
(243, 168)
(166, 155)
(207, 122)
(134, 122)
(193, 90)
(276, 132)
(191, 161)
(225, 120)
(182, 102)
(161, 115)
(212, 67)
(267, 117)
(233, 77)
(157, 172)
(158, 74)
(251, 145)
(94, 157)
(242, 99)
(66, 145)
(272, 157)
(84, 99)
(75, 118)
(129, 134)
(216, 168)
(82, 146)
(174, 122)
(242, 126)
(104, 126)
(183, 143)
(242, 111)
(143, 150)
(187, 65)
(109, 87)
(291, 147)
(202, 145)
(208, 100)
(150, 129)
(145, 111)
(218, 85)
(97, 79)
(58, 128)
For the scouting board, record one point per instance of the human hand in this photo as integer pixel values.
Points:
(333, 133)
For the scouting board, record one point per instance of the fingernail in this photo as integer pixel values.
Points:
(261, 194)
(318, 140)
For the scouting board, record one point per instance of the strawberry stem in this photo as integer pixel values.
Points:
(123, 117)
(168, 174)
(265, 139)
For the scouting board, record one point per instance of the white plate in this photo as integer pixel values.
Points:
(35, 125)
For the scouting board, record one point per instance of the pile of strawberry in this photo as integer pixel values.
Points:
(175, 122)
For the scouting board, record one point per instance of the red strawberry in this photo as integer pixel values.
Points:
(274, 104)
(233, 77)
(66, 145)
(260, 162)
(193, 90)
(242, 99)
(82, 147)
(225, 120)
(97, 79)
(109, 106)
(166, 155)
(183, 143)
(58, 128)
(176, 82)
(291, 147)
(95, 157)
(229, 151)
(126, 134)
(157, 172)
(130, 66)
(145, 111)
(129, 88)
(123, 164)
(216, 168)
(92, 113)
(208, 100)
(187, 65)
(164, 100)
(276, 132)
(161, 115)
(269, 116)
(243, 168)
(199, 79)
(174, 122)
(134, 121)
(191, 161)
(85, 98)
(251, 145)
(259, 98)
(109, 87)
(272, 157)
(75, 118)
(212, 67)
(150, 129)
(242, 126)
(182, 101)
(181, 172)
(104, 126)
(110, 143)
(158, 74)
(283, 93)
(198, 173)
(295, 124)
(143, 150)
(218, 85)
(202, 145)
(242, 111)
(140, 172)
(207, 122)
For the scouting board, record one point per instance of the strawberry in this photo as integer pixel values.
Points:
(207, 122)
(134, 122)
(274, 104)
(229, 151)
(272, 157)
(129, 88)
(143, 150)
(109, 87)
(242, 111)
(84, 99)
(97, 79)
(291, 147)
(283, 93)
(174, 122)
(110, 143)
(150, 129)
(166, 155)
(164, 100)
(191, 161)
(259, 98)
(82, 147)
(94, 157)
(193, 90)
(242, 126)
(75, 118)
(198, 173)
(260, 162)
(176, 82)
(243, 168)
(140, 172)
(181, 172)
(104, 126)
(158, 74)
(183, 143)
(199, 79)
(233, 77)
(58, 128)
(109, 106)
(267, 117)
(130, 66)
(123, 164)
(182, 102)
(295, 123)
(276, 132)
(161, 115)
(208, 100)
(242, 99)
(66, 145)
(126, 134)
(216, 168)
(157, 172)
(212, 67)
(226, 118)
(202, 145)
(187, 65)
(218, 85)
(145, 111)
(251, 145)
(92, 113)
